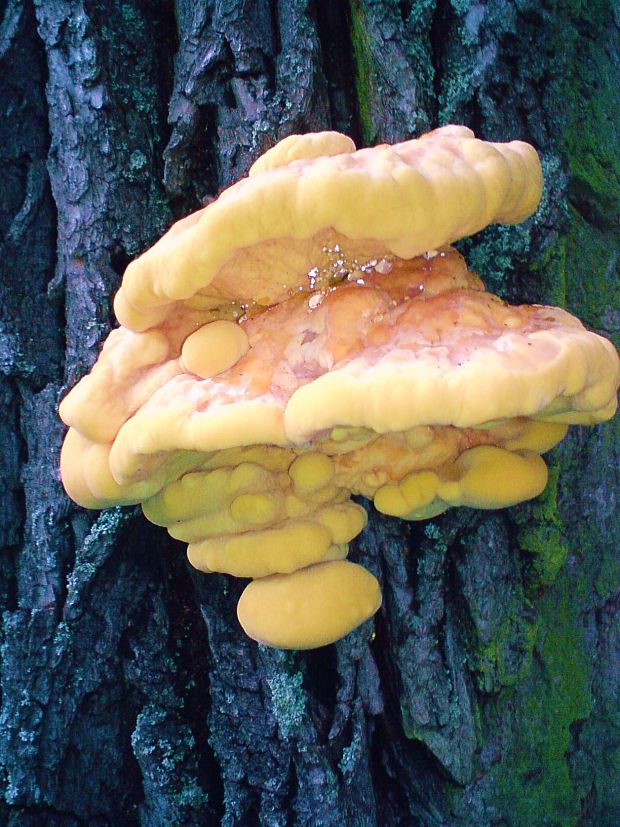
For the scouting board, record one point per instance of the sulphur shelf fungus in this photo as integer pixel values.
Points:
(310, 335)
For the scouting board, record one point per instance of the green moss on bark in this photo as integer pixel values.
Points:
(541, 534)
(365, 80)
(534, 783)
(496, 663)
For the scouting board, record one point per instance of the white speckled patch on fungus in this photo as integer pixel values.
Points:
(310, 335)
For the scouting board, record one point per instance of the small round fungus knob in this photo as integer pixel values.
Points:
(214, 348)
(253, 509)
(309, 608)
(491, 477)
(310, 472)
(417, 490)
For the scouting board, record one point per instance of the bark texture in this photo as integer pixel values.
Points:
(486, 692)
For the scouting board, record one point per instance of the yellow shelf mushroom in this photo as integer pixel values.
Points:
(311, 335)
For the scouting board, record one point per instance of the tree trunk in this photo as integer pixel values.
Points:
(486, 690)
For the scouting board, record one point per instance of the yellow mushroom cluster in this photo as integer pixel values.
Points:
(311, 335)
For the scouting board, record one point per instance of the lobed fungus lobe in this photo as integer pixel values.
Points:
(311, 335)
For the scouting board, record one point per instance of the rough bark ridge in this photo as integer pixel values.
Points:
(486, 693)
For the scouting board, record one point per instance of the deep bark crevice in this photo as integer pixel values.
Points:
(333, 28)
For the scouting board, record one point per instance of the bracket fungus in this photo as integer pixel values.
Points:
(311, 335)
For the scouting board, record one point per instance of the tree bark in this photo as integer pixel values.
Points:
(485, 692)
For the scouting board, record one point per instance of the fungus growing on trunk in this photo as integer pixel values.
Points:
(310, 335)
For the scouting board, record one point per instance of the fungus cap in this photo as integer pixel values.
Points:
(369, 356)
(312, 607)
(401, 200)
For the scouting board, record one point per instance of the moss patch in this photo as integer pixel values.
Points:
(534, 785)
(511, 647)
(542, 534)
(365, 80)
